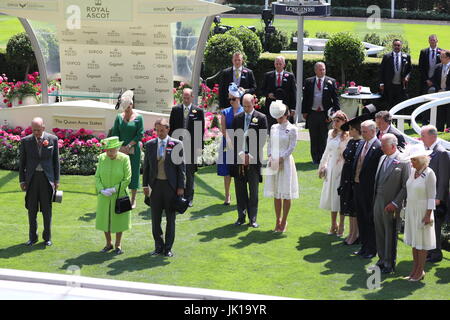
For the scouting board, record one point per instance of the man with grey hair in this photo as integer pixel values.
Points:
(440, 163)
(279, 85)
(441, 81)
(390, 193)
(39, 177)
(384, 125)
(365, 167)
(319, 101)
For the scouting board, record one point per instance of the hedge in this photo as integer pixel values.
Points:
(12, 70)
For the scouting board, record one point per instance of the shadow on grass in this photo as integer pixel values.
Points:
(305, 166)
(10, 176)
(87, 217)
(214, 210)
(88, 259)
(224, 232)
(205, 186)
(258, 237)
(443, 274)
(20, 249)
(146, 214)
(146, 261)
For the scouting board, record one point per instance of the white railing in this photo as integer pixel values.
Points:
(428, 101)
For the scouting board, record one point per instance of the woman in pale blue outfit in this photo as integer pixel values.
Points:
(226, 122)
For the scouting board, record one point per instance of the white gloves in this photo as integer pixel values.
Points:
(108, 192)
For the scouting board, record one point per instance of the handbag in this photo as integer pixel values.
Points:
(123, 204)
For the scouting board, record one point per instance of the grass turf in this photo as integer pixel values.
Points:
(209, 251)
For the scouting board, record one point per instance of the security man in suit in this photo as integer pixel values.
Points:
(164, 178)
(320, 100)
(39, 172)
(428, 60)
(240, 75)
(191, 118)
(441, 81)
(395, 70)
(279, 85)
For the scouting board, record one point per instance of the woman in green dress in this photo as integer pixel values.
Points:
(129, 127)
(112, 178)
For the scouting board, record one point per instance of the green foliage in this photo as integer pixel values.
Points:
(323, 35)
(19, 50)
(292, 44)
(344, 50)
(250, 42)
(373, 38)
(387, 43)
(219, 52)
(277, 41)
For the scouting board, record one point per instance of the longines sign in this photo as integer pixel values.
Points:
(301, 10)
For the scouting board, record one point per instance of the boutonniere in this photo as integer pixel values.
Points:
(255, 120)
(194, 111)
(287, 131)
(396, 162)
(330, 82)
(244, 71)
(286, 75)
(45, 143)
(404, 55)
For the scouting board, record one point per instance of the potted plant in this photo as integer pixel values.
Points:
(4, 88)
(24, 93)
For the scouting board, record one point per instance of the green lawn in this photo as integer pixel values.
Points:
(416, 34)
(209, 251)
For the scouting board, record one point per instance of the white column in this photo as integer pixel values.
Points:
(300, 28)
(392, 9)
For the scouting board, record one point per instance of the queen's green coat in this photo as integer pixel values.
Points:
(112, 174)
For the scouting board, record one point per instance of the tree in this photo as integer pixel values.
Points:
(219, 52)
(250, 42)
(20, 52)
(345, 51)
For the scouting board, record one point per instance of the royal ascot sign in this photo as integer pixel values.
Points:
(102, 10)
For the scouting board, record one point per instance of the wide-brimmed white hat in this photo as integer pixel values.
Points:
(416, 150)
(277, 109)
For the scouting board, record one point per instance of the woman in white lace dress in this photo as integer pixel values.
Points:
(330, 170)
(281, 174)
(420, 203)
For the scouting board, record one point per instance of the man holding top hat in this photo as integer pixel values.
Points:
(39, 177)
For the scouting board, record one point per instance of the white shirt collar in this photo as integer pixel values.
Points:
(42, 137)
(189, 106)
(323, 79)
(240, 69)
(433, 145)
(165, 140)
(372, 141)
(385, 131)
(394, 155)
(251, 113)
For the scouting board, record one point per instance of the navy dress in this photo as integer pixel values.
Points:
(223, 169)
(345, 189)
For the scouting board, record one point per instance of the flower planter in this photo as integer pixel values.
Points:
(2, 104)
(349, 107)
(26, 101)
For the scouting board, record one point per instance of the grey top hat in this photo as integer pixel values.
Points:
(58, 196)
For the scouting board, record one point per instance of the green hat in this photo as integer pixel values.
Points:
(111, 143)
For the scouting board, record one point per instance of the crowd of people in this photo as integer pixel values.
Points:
(369, 172)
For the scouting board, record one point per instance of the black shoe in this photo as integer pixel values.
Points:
(157, 252)
(380, 264)
(359, 253)
(107, 249)
(191, 203)
(253, 225)
(239, 222)
(31, 242)
(48, 243)
(386, 270)
(368, 256)
(434, 259)
(118, 251)
(168, 253)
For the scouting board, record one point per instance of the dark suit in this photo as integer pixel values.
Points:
(443, 112)
(400, 139)
(286, 92)
(394, 93)
(246, 81)
(177, 121)
(246, 180)
(424, 67)
(440, 163)
(364, 195)
(317, 122)
(163, 191)
(40, 182)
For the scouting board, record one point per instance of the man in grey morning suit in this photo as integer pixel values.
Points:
(39, 177)
(440, 163)
(390, 192)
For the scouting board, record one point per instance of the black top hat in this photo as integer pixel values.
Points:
(180, 204)
(360, 119)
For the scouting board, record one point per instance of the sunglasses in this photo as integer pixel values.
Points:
(233, 99)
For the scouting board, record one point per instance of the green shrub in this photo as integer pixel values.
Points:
(345, 51)
(277, 41)
(386, 42)
(20, 52)
(219, 52)
(322, 35)
(373, 38)
(293, 45)
(250, 42)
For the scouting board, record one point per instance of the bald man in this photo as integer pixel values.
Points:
(39, 177)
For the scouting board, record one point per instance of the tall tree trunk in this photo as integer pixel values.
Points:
(342, 74)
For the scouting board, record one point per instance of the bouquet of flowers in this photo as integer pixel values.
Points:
(209, 97)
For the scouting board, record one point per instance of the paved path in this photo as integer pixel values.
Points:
(352, 19)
